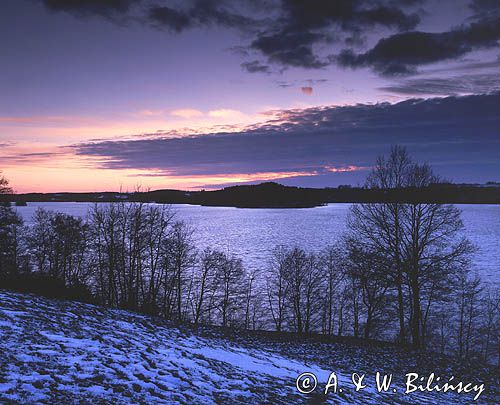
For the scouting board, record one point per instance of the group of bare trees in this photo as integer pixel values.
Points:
(400, 272)
(303, 290)
(57, 245)
(137, 256)
(347, 289)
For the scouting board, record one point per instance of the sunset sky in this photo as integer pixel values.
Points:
(113, 94)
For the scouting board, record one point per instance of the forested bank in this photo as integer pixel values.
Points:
(274, 195)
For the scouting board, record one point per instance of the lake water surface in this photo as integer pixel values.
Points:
(252, 233)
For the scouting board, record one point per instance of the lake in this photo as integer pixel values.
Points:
(252, 233)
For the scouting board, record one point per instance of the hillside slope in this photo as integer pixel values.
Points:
(60, 352)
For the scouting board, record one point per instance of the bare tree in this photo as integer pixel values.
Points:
(58, 243)
(379, 225)
(422, 240)
(331, 264)
(312, 293)
(302, 276)
(296, 265)
(181, 257)
(158, 227)
(369, 271)
(106, 245)
(231, 294)
(489, 330)
(468, 294)
(277, 286)
(432, 245)
(205, 282)
(251, 294)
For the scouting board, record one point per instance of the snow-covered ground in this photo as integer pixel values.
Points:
(66, 352)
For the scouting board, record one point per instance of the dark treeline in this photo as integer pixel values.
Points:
(400, 273)
(274, 195)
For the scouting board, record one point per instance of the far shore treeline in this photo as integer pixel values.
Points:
(400, 273)
(273, 195)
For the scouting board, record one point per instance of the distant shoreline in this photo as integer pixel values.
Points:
(274, 195)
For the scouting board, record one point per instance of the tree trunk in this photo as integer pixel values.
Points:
(416, 316)
(368, 324)
(402, 334)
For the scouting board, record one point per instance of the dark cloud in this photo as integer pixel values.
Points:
(308, 33)
(200, 13)
(105, 8)
(286, 32)
(463, 84)
(162, 13)
(458, 133)
(485, 6)
(356, 39)
(169, 18)
(402, 53)
(219, 12)
(256, 67)
(291, 48)
(316, 81)
(306, 24)
(349, 14)
(309, 82)
(470, 66)
(389, 17)
(405, 2)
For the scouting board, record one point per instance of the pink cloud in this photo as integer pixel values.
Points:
(307, 90)
(343, 169)
(186, 113)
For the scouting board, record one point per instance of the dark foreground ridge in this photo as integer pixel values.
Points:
(274, 195)
(68, 352)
